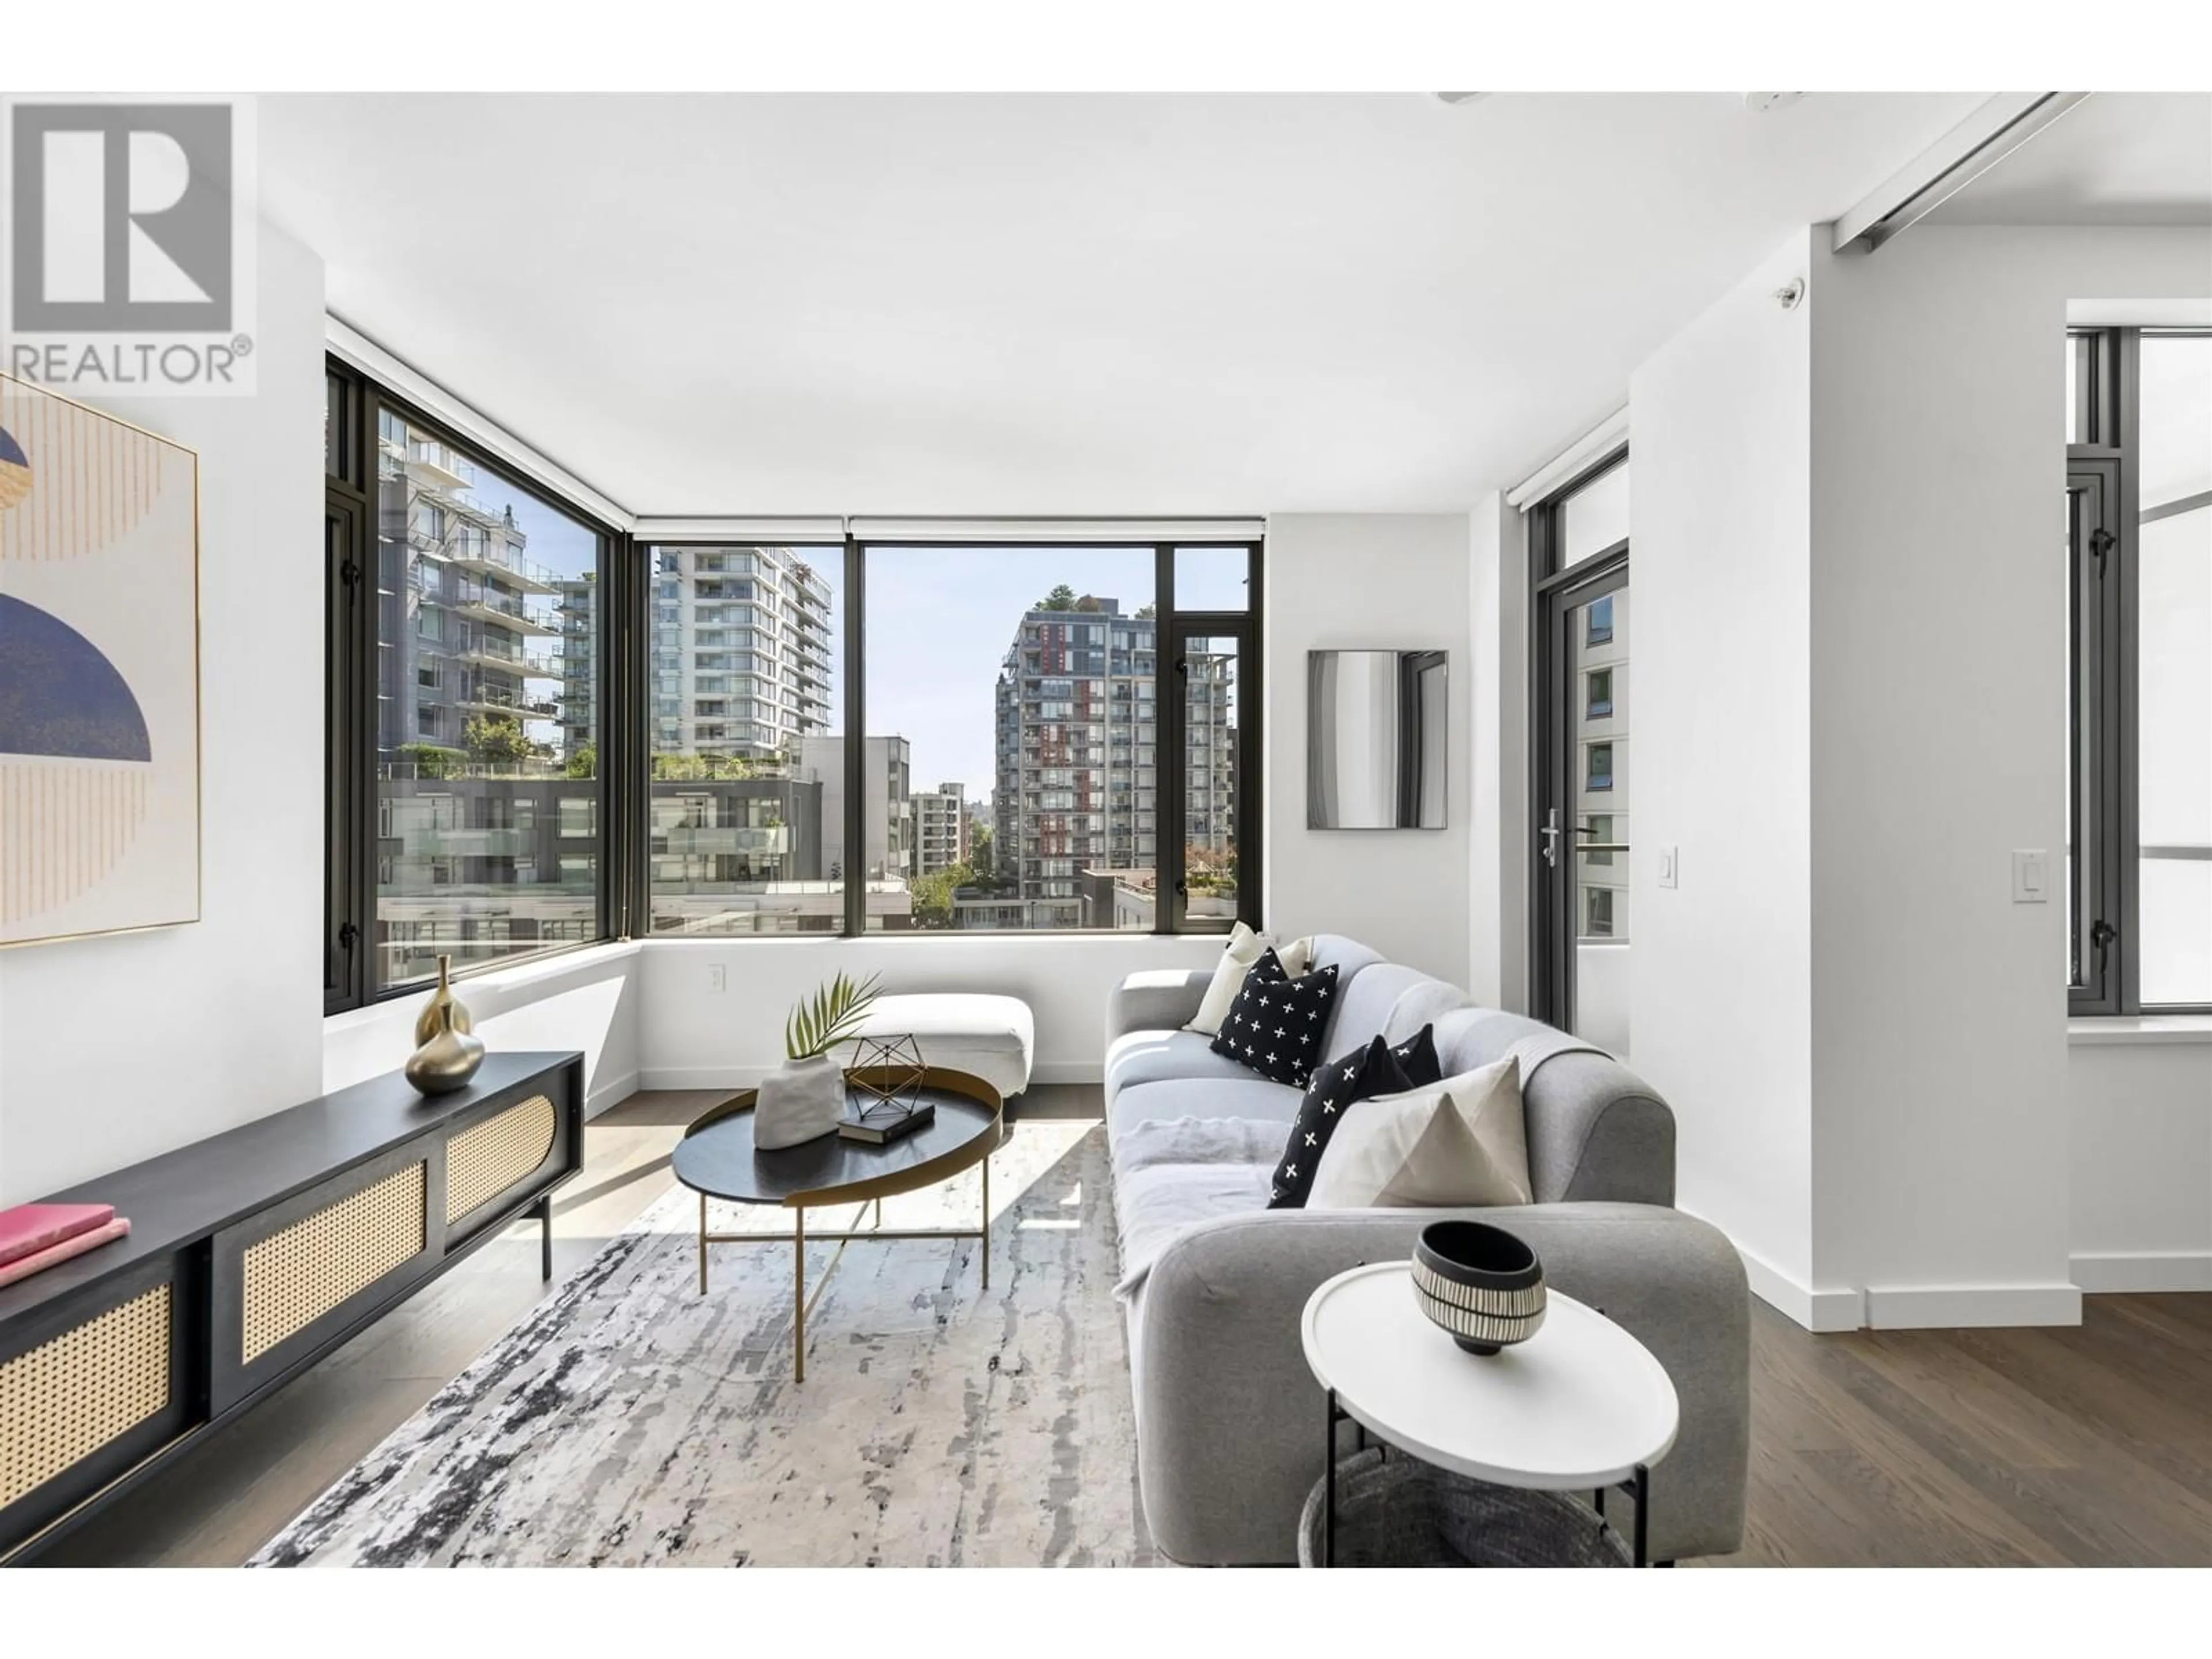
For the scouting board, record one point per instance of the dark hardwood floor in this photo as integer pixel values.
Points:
(2089, 1446)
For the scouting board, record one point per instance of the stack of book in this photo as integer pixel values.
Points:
(36, 1236)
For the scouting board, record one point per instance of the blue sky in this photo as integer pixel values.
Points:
(941, 619)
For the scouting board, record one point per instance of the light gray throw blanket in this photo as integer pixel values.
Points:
(1170, 1173)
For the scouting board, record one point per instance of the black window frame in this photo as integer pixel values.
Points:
(1171, 892)
(2104, 518)
(353, 403)
(1555, 768)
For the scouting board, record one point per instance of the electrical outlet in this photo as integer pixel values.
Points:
(717, 977)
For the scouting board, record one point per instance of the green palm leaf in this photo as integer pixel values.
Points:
(831, 1016)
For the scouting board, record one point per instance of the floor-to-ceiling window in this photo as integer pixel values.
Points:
(466, 696)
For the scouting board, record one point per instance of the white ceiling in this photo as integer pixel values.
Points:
(1155, 304)
(2121, 158)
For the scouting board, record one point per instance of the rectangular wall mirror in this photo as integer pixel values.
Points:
(1375, 730)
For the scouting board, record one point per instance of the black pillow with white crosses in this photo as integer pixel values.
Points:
(1276, 1024)
(1377, 1069)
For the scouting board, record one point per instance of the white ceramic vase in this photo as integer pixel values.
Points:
(801, 1100)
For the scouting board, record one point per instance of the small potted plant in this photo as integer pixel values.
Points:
(804, 1098)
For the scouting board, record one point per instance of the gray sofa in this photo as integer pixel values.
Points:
(1228, 1415)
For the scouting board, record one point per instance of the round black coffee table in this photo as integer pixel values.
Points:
(717, 1158)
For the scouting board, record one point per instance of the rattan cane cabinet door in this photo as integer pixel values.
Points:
(87, 1394)
(293, 1277)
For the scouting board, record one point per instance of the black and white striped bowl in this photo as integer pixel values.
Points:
(1478, 1283)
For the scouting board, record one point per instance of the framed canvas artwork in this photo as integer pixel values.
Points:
(100, 695)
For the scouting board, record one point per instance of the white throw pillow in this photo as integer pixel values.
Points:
(1245, 948)
(1463, 1141)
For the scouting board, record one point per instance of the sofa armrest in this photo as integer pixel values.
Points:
(1156, 999)
(1230, 1420)
(1597, 1133)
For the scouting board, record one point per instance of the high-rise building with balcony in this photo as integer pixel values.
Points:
(740, 658)
(941, 825)
(471, 622)
(1076, 787)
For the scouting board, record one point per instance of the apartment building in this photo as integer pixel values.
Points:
(473, 620)
(1076, 755)
(940, 821)
(740, 652)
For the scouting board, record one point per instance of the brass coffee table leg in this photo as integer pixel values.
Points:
(799, 1301)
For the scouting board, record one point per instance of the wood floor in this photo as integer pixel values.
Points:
(2089, 1446)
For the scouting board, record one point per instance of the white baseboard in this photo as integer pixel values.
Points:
(1938, 1307)
(2109, 1272)
(1816, 1311)
(609, 1093)
(748, 1077)
(1068, 1071)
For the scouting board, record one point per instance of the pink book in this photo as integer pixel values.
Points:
(30, 1228)
(55, 1254)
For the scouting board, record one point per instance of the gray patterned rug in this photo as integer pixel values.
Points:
(630, 1421)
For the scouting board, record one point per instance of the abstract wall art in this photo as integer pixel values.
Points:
(99, 715)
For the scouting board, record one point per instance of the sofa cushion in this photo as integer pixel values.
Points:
(1366, 1006)
(1207, 1099)
(1170, 1174)
(1469, 1037)
(1456, 1143)
(1276, 1024)
(1136, 1057)
(1245, 948)
(1421, 1006)
(1377, 1069)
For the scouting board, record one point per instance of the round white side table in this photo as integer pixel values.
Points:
(1580, 1405)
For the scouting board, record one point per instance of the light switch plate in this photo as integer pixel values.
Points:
(717, 976)
(1669, 865)
(2031, 876)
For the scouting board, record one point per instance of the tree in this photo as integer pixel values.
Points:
(429, 760)
(498, 741)
(1148, 608)
(1062, 597)
(980, 858)
(933, 893)
(585, 762)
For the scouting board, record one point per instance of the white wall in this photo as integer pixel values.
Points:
(1942, 1123)
(112, 1050)
(588, 1001)
(692, 1036)
(1497, 754)
(1721, 974)
(2141, 1104)
(1396, 581)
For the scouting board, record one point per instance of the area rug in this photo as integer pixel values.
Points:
(630, 1420)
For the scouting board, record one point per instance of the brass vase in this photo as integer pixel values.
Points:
(447, 1060)
(426, 1022)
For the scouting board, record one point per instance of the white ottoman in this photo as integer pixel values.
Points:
(986, 1037)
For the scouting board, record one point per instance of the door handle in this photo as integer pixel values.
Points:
(1549, 833)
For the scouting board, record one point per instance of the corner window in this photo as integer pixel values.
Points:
(463, 678)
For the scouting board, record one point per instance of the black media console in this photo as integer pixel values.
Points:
(251, 1255)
